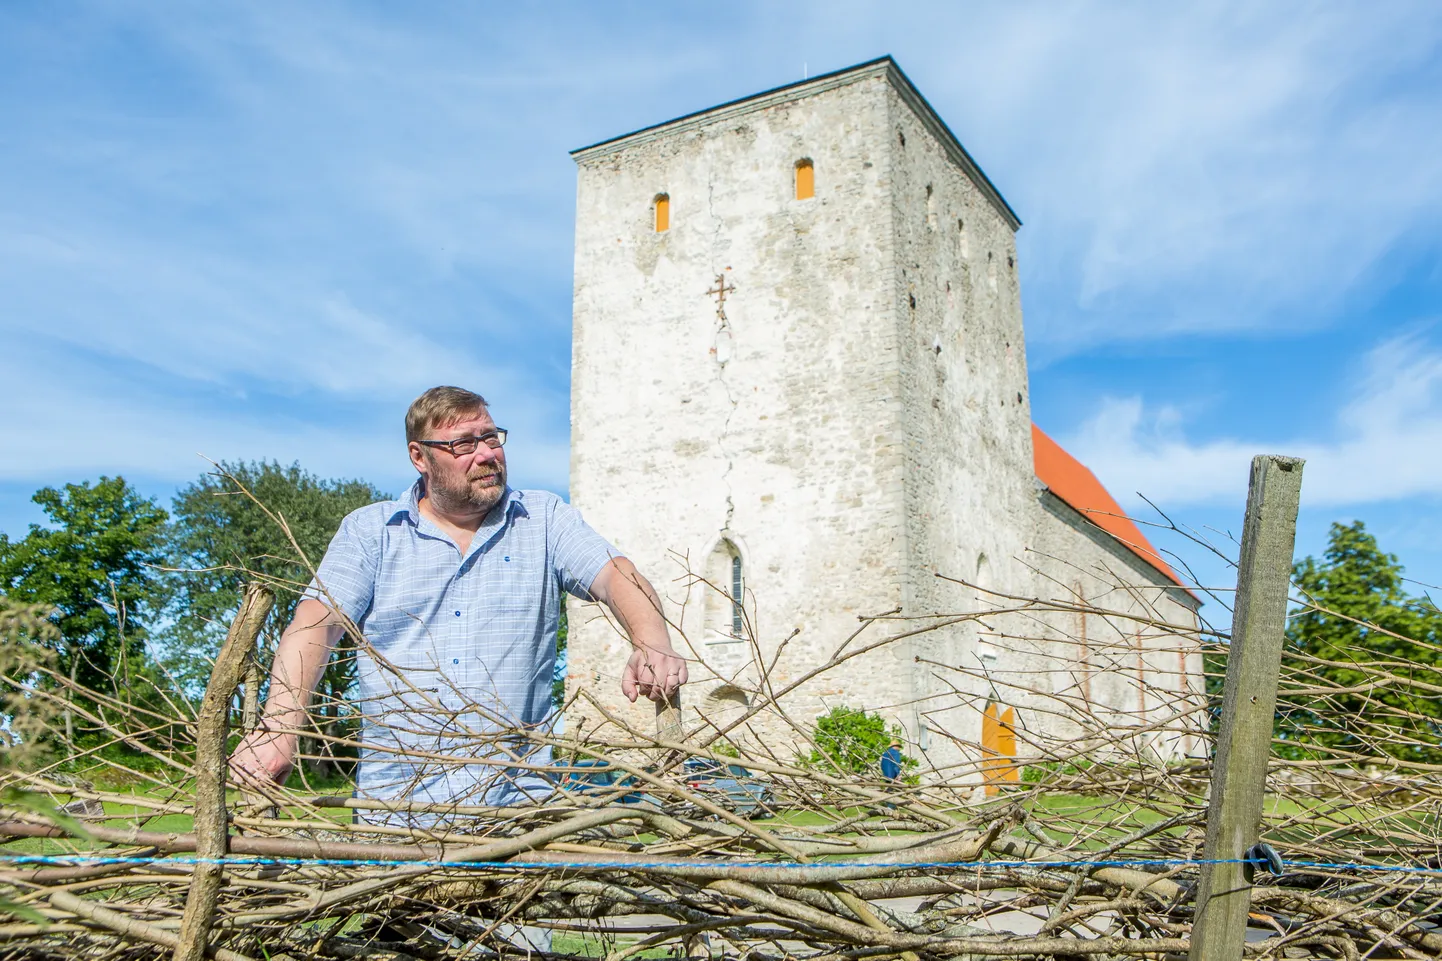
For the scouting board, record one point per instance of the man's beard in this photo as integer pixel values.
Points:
(469, 494)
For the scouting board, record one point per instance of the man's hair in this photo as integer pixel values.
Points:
(438, 407)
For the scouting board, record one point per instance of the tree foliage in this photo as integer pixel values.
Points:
(27, 651)
(223, 537)
(853, 740)
(95, 567)
(249, 521)
(558, 674)
(1362, 627)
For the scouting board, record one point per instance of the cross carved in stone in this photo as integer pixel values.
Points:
(719, 292)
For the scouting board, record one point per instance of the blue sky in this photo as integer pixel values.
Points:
(258, 230)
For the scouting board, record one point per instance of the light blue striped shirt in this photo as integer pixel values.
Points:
(459, 650)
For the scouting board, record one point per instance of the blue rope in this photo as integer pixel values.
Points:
(73, 860)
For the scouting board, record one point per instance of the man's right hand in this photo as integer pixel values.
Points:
(263, 758)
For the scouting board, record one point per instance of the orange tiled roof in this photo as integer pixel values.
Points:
(1067, 478)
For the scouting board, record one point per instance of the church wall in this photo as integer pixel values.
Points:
(856, 424)
(969, 474)
(790, 449)
(1127, 671)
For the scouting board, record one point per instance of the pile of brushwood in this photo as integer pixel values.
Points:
(1069, 825)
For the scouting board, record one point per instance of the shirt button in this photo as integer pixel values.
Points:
(458, 613)
(455, 660)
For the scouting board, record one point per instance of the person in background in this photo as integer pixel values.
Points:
(892, 761)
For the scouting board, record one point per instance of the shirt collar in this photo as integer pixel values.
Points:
(409, 506)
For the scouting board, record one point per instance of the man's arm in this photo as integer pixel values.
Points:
(268, 752)
(654, 669)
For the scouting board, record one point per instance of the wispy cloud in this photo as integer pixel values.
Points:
(1212, 168)
(78, 420)
(1386, 443)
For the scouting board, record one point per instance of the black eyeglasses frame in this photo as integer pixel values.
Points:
(499, 435)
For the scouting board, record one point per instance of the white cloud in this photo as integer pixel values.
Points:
(1207, 167)
(1387, 444)
(61, 423)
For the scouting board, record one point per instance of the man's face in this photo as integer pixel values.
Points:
(465, 483)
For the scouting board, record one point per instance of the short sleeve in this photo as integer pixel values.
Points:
(346, 578)
(577, 552)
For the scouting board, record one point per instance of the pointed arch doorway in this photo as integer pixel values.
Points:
(998, 748)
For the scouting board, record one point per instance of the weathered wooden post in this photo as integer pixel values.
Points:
(1244, 744)
(250, 698)
(668, 718)
(210, 761)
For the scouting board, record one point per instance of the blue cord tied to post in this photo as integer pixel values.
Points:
(1265, 856)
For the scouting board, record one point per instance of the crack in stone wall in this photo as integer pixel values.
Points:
(722, 354)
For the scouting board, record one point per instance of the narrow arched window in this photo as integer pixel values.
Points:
(805, 180)
(737, 620)
(662, 207)
(725, 584)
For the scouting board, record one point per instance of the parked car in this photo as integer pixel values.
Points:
(589, 775)
(730, 786)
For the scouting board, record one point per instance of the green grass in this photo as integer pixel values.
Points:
(119, 814)
(587, 945)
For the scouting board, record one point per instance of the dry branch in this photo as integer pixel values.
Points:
(1115, 768)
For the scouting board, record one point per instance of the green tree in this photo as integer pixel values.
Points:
(223, 536)
(558, 676)
(94, 566)
(27, 656)
(853, 740)
(1363, 628)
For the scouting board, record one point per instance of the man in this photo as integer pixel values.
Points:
(892, 761)
(456, 589)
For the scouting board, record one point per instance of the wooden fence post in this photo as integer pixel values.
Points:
(210, 761)
(668, 718)
(1244, 744)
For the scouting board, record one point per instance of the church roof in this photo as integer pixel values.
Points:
(881, 66)
(1069, 480)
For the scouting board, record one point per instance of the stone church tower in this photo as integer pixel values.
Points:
(798, 372)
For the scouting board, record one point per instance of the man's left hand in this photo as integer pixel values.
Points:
(653, 673)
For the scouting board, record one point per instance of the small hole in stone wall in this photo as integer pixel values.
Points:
(1009, 261)
(912, 298)
(1018, 397)
(901, 138)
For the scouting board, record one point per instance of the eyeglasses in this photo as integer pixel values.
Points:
(467, 445)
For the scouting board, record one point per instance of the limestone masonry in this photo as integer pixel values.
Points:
(817, 403)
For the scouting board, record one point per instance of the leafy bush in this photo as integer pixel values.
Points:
(1042, 772)
(852, 740)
